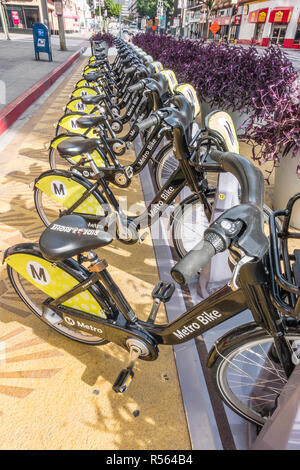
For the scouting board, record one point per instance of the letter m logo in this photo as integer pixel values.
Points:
(38, 273)
(58, 189)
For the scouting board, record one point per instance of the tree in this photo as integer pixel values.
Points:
(149, 7)
(209, 6)
(112, 8)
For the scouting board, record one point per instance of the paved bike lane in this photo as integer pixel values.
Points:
(56, 393)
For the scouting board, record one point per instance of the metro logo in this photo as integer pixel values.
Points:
(38, 273)
(58, 189)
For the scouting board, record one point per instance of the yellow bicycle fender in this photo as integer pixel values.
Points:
(76, 105)
(84, 91)
(69, 122)
(95, 154)
(67, 191)
(53, 281)
(85, 83)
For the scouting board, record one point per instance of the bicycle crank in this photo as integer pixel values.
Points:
(137, 349)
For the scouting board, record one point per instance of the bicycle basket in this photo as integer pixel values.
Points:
(284, 265)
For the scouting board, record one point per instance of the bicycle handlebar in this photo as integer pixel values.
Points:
(243, 223)
(130, 69)
(149, 122)
(193, 262)
(249, 177)
(136, 87)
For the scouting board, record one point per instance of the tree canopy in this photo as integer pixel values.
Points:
(149, 7)
(113, 9)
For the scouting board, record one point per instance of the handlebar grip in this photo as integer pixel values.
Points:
(149, 122)
(136, 87)
(193, 262)
(130, 69)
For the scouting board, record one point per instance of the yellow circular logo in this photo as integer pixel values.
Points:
(221, 196)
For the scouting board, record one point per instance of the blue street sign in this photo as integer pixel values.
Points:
(163, 22)
(41, 39)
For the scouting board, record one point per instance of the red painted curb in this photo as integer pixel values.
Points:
(13, 110)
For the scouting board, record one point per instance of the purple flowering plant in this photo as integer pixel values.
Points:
(264, 85)
(106, 37)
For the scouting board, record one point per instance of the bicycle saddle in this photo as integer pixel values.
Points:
(70, 236)
(92, 76)
(76, 146)
(90, 120)
(93, 99)
(98, 63)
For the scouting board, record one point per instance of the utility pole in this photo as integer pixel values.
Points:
(4, 20)
(45, 13)
(160, 13)
(120, 3)
(61, 28)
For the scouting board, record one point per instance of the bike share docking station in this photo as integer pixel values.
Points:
(211, 424)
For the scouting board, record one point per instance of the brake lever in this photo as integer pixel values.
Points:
(163, 130)
(244, 260)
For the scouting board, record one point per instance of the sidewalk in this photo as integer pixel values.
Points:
(19, 71)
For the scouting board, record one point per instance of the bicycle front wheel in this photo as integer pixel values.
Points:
(191, 219)
(249, 378)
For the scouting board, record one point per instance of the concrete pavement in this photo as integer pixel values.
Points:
(18, 68)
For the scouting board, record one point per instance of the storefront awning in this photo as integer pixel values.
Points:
(258, 16)
(281, 15)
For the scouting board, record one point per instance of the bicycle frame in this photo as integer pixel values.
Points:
(253, 294)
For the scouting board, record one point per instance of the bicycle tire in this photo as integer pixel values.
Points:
(52, 207)
(185, 233)
(164, 165)
(56, 162)
(20, 289)
(257, 407)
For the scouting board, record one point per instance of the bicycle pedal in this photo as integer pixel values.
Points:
(163, 291)
(142, 237)
(123, 380)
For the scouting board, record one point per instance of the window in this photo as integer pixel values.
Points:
(31, 16)
(297, 37)
(259, 27)
(22, 17)
(15, 16)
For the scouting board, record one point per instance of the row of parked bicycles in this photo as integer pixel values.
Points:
(66, 283)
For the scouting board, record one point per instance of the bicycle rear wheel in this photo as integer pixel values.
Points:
(33, 298)
(47, 208)
(248, 378)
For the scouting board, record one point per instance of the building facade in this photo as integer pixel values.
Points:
(273, 21)
(22, 14)
(259, 22)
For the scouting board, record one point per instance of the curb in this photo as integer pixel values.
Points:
(13, 110)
